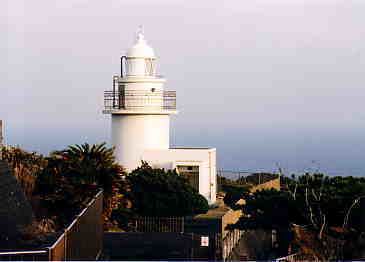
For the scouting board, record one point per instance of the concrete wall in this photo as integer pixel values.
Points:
(230, 218)
(133, 134)
(205, 158)
(157, 246)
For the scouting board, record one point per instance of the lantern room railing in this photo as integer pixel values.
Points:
(139, 100)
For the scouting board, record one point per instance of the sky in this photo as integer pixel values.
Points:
(266, 82)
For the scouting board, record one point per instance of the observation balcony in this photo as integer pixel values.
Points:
(139, 102)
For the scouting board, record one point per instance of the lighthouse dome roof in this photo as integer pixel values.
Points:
(141, 49)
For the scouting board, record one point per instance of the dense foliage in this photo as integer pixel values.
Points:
(327, 200)
(88, 164)
(27, 166)
(328, 207)
(234, 193)
(257, 178)
(60, 184)
(156, 192)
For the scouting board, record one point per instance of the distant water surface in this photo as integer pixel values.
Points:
(245, 150)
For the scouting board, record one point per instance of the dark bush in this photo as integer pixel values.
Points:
(156, 192)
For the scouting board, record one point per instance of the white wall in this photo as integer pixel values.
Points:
(205, 158)
(133, 134)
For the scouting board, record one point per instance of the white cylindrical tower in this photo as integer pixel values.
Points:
(140, 108)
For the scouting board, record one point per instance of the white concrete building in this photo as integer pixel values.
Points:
(140, 111)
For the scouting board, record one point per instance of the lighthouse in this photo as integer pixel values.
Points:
(140, 110)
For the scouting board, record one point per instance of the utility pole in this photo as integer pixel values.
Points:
(1, 138)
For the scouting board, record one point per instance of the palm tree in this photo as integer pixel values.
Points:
(90, 165)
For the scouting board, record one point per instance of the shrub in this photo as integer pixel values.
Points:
(156, 192)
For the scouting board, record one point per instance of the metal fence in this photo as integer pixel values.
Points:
(35, 255)
(297, 257)
(257, 177)
(230, 241)
(243, 178)
(158, 224)
(140, 99)
(81, 240)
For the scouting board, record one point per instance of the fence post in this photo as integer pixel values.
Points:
(66, 244)
(192, 246)
(49, 254)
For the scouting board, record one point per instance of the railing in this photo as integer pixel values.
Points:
(159, 224)
(297, 257)
(35, 255)
(140, 100)
(253, 177)
(230, 241)
(82, 240)
(258, 180)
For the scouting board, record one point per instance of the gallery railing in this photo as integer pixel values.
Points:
(139, 99)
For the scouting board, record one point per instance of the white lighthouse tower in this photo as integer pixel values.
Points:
(140, 112)
(139, 106)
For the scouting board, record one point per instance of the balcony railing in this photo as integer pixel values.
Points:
(140, 100)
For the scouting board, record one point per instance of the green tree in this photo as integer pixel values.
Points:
(269, 209)
(88, 164)
(77, 171)
(318, 203)
(156, 192)
(233, 193)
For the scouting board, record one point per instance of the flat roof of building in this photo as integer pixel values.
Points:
(187, 148)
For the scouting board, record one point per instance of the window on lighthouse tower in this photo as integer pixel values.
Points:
(149, 66)
(140, 66)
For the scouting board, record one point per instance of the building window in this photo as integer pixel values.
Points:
(191, 173)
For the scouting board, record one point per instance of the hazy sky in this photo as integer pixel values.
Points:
(263, 81)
